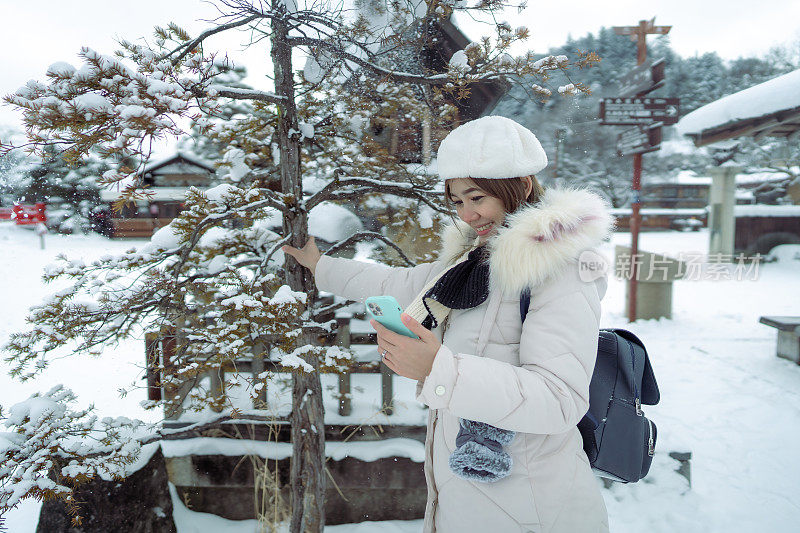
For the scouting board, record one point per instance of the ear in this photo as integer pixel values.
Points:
(528, 185)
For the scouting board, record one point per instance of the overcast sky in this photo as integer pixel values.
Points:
(35, 34)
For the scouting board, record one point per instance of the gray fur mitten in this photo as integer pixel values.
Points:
(479, 454)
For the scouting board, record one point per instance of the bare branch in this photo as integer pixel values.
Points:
(365, 235)
(272, 251)
(184, 49)
(330, 309)
(366, 185)
(339, 52)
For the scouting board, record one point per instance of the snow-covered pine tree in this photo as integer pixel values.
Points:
(13, 166)
(70, 190)
(213, 276)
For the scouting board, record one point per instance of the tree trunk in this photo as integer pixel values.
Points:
(307, 418)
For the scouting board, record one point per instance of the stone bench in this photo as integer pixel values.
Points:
(788, 335)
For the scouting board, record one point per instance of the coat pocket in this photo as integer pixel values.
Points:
(552, 484)
(444, 444)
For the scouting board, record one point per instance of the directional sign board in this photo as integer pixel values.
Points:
(642, 79)
(639, 111)
(639, 140)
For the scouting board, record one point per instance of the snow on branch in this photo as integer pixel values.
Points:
(163, 282)
(236, 93)
(48, 449)
(119, 109)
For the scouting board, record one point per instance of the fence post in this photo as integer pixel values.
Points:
(343, 341)
(387, 389)
(216, 384)
(172, 391)
(260, 352)
(153, 372)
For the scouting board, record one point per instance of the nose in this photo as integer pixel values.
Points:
(468, 215)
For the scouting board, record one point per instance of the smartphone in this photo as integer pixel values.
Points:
(387, 311)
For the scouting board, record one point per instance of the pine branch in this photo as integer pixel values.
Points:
(199, 228)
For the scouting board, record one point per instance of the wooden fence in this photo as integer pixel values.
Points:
(160, 350)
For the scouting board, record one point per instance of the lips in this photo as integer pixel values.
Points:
(484, 229)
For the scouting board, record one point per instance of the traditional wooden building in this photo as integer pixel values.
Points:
(684, 191)
(169, 179)
(769, 109)
(416, 142)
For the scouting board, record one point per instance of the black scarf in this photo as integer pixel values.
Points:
(464, 286)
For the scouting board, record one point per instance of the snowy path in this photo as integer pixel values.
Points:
(725, 396)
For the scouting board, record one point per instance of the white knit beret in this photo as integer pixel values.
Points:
(490, 147)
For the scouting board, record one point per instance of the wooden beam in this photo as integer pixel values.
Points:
(766, 132)
(749, 127)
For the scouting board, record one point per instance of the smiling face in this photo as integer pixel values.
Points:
(474, 206)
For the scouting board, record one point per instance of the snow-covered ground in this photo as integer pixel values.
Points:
(725, 396)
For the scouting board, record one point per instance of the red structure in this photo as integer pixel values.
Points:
(24, 215)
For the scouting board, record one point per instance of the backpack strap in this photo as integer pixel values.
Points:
(524, 303)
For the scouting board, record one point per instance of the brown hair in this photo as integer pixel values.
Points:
(510, 191)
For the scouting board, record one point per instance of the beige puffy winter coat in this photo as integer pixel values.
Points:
(531, 377)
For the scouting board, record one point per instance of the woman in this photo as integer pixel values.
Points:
(478, 364)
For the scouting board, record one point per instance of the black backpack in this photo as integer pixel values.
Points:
(618, 439)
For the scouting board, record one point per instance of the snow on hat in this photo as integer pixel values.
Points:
(490, 147)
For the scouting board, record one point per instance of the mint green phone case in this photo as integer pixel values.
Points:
(387, 311)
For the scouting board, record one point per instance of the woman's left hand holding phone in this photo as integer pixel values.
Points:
(407, 357)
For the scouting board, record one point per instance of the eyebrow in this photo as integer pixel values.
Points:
(470, 190)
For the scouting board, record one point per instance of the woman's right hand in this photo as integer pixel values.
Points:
(308, 255)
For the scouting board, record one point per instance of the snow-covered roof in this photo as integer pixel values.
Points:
(772, 107)
(160, 194)
(684, 177)
(759, 177)
(186, 156)
(661, 211)
(688, 177)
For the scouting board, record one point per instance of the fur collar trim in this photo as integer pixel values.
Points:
(538, 241)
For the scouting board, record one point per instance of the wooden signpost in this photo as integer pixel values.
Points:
(647, 115)
(643, 79)
(639, 111)
(639, 140)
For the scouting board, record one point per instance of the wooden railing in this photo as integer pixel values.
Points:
(160, 350)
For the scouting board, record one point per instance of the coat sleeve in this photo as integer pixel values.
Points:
(356, 280)
(549, 392)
